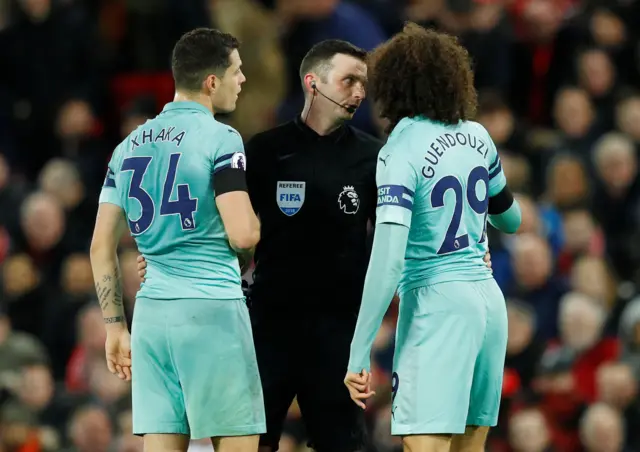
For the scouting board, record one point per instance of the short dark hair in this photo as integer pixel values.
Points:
(199, 53)
(318, 58)
(422, 72)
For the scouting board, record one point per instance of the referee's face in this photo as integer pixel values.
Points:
(345, 84)
(228, 86)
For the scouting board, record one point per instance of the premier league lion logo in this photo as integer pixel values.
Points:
(348, 200)
(238, 161)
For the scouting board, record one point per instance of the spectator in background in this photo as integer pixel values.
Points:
(42, 235)
(567, 182)
(630, 336)
(597, 76)
(618, 387)
(524, 348)
(617, 200)
(140, 110)
(581, 238)
(602, 429)
(627, 117)
(529, 432)
(17, 350)
(570, 365)
(576, 118)
(52, 88)
(535, 283)
(258, 28)
(90, 430)
(61, 179)
(76, 291)
(26, 295)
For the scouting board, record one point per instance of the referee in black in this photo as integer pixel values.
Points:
(312, 184)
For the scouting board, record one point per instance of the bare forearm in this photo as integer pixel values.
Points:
(108, 283)
(247, 246)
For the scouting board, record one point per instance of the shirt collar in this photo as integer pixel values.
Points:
(186, 105)
(403, 124)
(308, 132)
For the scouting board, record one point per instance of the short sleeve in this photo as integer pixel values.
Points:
(497, 179)
(109, 192)
(230, 153)
(397, 180)
(230, 165)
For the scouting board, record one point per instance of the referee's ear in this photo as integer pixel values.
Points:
(309, 82)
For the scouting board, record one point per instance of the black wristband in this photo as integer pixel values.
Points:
(501, 202)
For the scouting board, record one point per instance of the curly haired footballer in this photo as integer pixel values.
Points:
(422, 72)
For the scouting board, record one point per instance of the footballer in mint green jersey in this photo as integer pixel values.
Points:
(437, 181)
(165, 176)
(161, 175)
(178, 183)
(440, 182)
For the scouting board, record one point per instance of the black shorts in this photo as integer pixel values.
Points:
(307, 356)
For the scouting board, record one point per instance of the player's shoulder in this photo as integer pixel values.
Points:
(407, 129)
(402, 139)
(222, 140)
(217, 130)
(477, 128)
(486, 142)
(128, 143)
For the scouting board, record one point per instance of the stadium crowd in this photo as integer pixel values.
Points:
(559, 87)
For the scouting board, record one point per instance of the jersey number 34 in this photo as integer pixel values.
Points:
(453, 242)
(184, 205)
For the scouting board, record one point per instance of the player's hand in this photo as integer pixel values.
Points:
(142, 267)
(359, 386)
(487, 260)
(118, 352)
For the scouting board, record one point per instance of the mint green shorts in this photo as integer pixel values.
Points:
(194, 369)
(451, 342)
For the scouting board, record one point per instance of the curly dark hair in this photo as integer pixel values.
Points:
(422, 72)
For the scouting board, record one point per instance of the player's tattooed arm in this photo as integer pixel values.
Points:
(109, 291)
(110, 224)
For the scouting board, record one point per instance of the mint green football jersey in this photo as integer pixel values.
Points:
(436, 180)
(162, 176)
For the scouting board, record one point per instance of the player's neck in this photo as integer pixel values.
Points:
(319, 123)
(202, 99)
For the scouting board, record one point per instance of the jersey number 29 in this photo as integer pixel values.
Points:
(453, 242)
(184, 206)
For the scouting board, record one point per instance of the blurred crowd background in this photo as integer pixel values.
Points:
(559, 84)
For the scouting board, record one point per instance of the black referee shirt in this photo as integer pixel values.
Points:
(314, 196)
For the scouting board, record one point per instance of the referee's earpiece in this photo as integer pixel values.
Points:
(350, 109)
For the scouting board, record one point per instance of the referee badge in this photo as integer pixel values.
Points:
(348, 200)
(290, 196)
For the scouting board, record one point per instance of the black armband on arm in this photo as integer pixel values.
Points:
(228, 180)
(501, 202)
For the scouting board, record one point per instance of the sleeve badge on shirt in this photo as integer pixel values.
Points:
(239, 161)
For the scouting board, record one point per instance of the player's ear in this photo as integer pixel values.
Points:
(211, 83)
